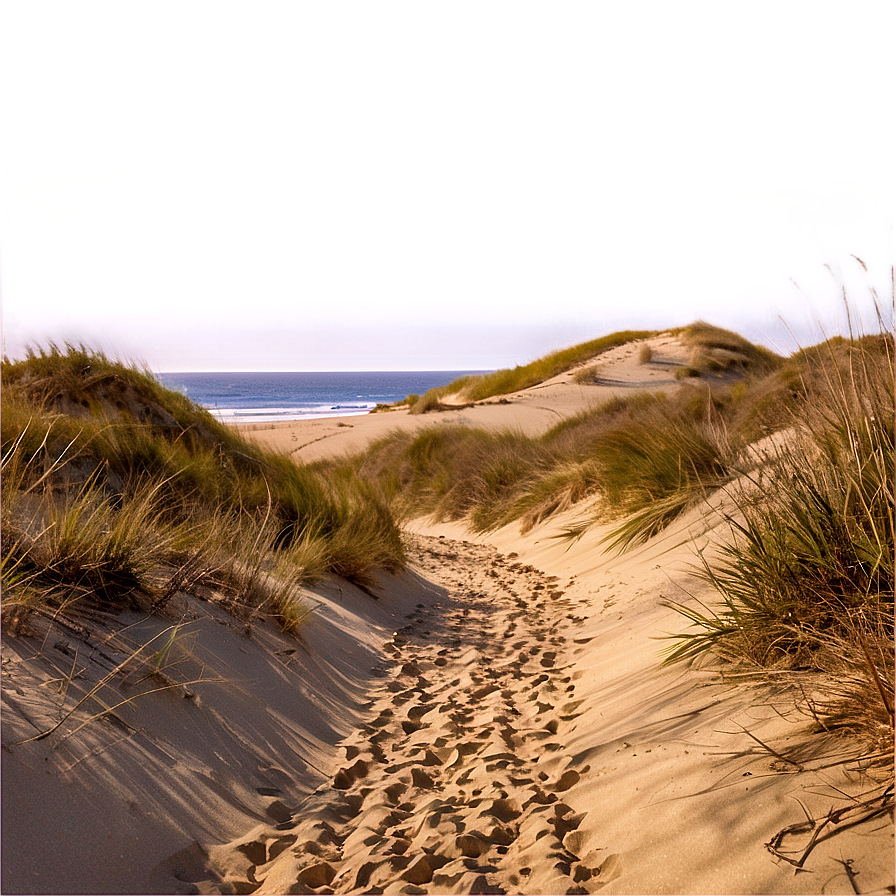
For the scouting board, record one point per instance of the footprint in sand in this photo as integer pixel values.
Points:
(457, 783)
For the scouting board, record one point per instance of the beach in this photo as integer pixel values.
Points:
(531, 411)
(495, 719)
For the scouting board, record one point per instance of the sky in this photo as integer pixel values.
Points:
(329, 185)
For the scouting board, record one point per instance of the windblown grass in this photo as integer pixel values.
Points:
(647, 456)
(450, 471)
(807, 579)
(653, 468)
(548, 491)
(120, 492)
(256, 578)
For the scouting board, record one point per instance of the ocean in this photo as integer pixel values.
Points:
(266, 397)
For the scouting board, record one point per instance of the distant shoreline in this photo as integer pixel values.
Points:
(246, 418)
(255, 397)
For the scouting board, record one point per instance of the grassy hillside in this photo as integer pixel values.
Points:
(117, 491)
(647, 454)
(503, 382)
(712, 349)
(807, 576)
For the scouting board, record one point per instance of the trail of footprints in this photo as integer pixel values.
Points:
(458, 784)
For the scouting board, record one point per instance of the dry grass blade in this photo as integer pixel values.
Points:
(772, 750)
(110, 710)
(872, 668)
(850, 874)
(108, 677)
(821, 829)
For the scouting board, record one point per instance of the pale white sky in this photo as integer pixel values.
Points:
(387, 185)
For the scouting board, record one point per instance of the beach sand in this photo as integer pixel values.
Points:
(497, 721)
(531, 411)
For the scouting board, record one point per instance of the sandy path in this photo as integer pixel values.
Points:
(458, 783)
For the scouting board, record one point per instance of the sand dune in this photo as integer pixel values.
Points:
(531, 411)
(498, 721)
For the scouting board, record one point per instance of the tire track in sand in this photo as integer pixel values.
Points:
(459, 782)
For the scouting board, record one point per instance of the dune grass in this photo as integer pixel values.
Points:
(644, 458)
(715, 349)
(119, 492)
(807, 577)
(449, 471)
(656, 466)
(646, 454)
(647, 458)
(506, 381)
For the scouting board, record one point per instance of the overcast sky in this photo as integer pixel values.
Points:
(465, 185)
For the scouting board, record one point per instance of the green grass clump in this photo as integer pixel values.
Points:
(646, 455)
(120, 492)
(655, 466)
(551, 489)
(450, 471)
(503, 382)
(67, 538)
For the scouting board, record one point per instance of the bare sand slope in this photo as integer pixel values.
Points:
(531, 411)
(458, 783)
(151, 755)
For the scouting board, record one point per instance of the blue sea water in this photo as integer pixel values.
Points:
(265, 397)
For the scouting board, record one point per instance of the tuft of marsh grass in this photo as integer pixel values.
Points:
(450, 471)
(551, 490)
(103, 546)
(85, 545)
(585, 375)
(817, 546)
(257, 579)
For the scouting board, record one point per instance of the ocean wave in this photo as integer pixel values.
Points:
(274, 415)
